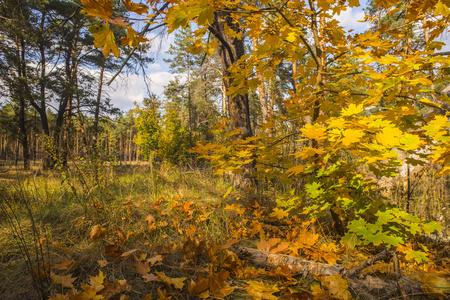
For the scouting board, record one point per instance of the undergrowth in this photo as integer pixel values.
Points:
(131, 231)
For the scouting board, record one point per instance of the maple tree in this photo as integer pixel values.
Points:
(357, 95)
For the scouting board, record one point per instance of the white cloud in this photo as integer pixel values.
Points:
(130, 88)
(349, 19)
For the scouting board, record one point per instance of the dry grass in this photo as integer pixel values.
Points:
(66, 205)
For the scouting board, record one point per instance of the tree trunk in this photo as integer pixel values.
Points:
(230, 51)
(19, 95)
(99, 99)
(261, 89)
(365, 287)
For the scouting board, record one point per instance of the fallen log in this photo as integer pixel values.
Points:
(361, 285)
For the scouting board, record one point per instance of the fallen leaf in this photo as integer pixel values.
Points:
(112, 250)
(98, 232)
(97, 281)
(155, 259)
(148, 297)
(102, 263)
(150, 277)
(66, 280)
(65, 264)
(142, 268)
(258, 290)
(229, 243)
(125, 254)
(336, 285)
(150, 222)
(434, 285)
(177, 282)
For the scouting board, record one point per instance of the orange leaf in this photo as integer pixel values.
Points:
(98, 232)
(101, 9)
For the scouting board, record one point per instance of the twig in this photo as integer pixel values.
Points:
(398, 276)
(355, 271)
(145, 30)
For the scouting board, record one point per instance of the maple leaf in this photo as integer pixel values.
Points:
(352, 109)
(97, 281)
(352, 136)
(336, 285)
(64, 280)
(102, 263)
(101, 9)
(89, 293)
(104, 38)
(142, 268)
(313, 189)
(314, 132)
(177, 282)
(65, 264)
(138, 8)
(259, 290)
(410, 141)
(155, 259)
(279, 213)
(441, 9)
(151, 222)
(389, 137)
(319, 293)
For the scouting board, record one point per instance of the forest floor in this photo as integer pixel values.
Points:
(129, 231)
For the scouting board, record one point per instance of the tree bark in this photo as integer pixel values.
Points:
(364, 286)
(230, 51)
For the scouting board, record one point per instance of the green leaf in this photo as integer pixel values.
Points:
(313, 189)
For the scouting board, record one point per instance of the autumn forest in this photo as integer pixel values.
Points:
(288, 157)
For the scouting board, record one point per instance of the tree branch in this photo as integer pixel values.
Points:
(145, 30)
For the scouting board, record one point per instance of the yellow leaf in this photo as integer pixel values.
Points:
(336, 285)
(258, 290)
(315, 132)
(138, 8)
(430, 103)
(89, 293)
(389, 137)
(434, 285)
(441, 9)
(319, 293)
(97, 281)
(351, 110)
(177, 282)
(291, 37)
(410, 141)
(352, 136)
(101, 9)
(104, 38)
(279, 214)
